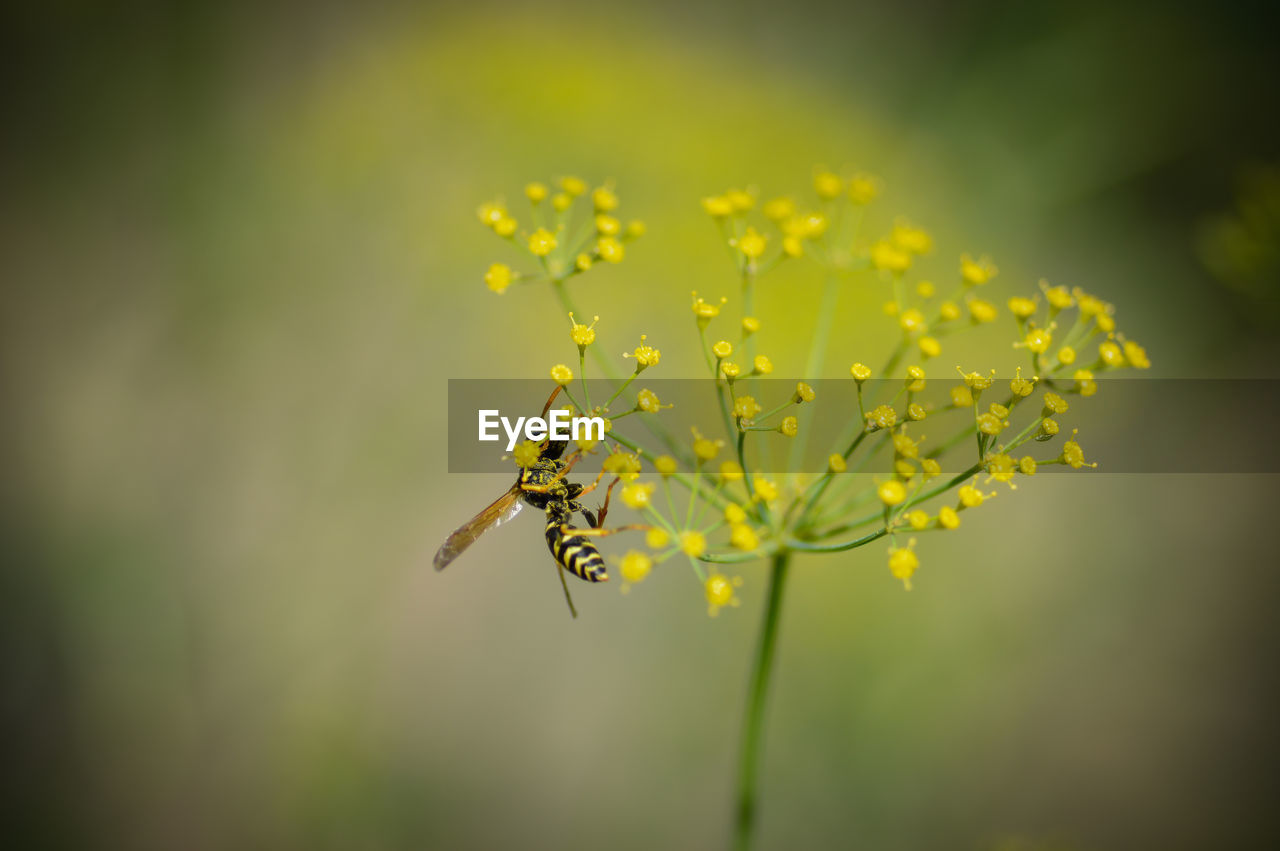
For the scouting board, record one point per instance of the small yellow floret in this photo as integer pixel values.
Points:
(561, 375)
(638, 495)
(542, 242)
(499, 277)
(635, 566)
(722, 349)
(527, 453)
(903, 563)
(693, 543)
(836, 463)
(892, 492)
(665, 465)
(789, 426)
(975, 272)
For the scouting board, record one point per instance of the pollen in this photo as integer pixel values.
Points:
(610, 249)
(1084, 383)
(752, 244)
(561, 375)
(743, 537)
(693, 543)
(638, 495)
(542, 242)
(905, 446)
(863, 189)
(887, 256)
(561, 201)
(746, 407)
(949, 311)
(1048, 430)
(881, 416)
(582, 335)
(903, 563)
(911, 320)
(498, 278)
(604, 199)
(976, 272)
(827, 185)
(892, 492)
(527, 453)
(1059, 298)
(977, 381)
(536, 192)
(634, 567)
(1073, 455)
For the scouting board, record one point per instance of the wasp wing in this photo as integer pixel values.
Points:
(503, 509)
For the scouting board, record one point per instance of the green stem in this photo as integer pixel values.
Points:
(753, 725)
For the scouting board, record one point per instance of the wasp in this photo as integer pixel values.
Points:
(544, 486)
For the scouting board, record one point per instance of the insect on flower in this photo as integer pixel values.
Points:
(543, 485)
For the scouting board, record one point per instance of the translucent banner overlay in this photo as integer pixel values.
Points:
(1128, 425)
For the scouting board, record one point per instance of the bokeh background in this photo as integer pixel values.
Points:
(240, 261)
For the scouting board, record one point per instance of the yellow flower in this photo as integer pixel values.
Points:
(635, 229)
(931, 468)
(903, 563)
(527, 453)
(990, 424)
(722, 349)
(948, 518)
(561, 201)
(949, 311)
(925, 289)
(1066, 355)
(705, 449)
(885, 255)
(918, 519)
(892, 492)
(734, 513)
(930, 347)
(582, 335)
(561, 374)
(610, 249)
(789, 426)
(971, 497)
(1058, 297)
(911, 320)
(730, 370)
(505, 226)
(1027, 466)
(604, 200)
(704, 311)
(916, 412)
(498, 278)
(1021, 387)
(647, 401)
(975, 272)
(750, 325)
(1111, 354)
(574, 186)
(635, 566)
(693, 543)
(860, 372)
(777, 209)
(915, 379)
(764, 489)
(863, 189)
(982, 311)
(1048, 429)
(542, 242)
(1073, 455)
(1136, 355)
(804, 393)
(624, 465)
(607, 225)
(743, 537)
(730, 471)
(961, 396)
(792, 246)
(1001, 468)
(741, 201)
(720, 591)
(881, 416)
(761, 365)
(645, 355)
(977, 381)
(718, 206)
(583, 261)
(536, 192)
(491, 212)
(1021, 307)
(638, 495)
(1054, 404)
(665, 465)
(836, 463)
(1085, 385)
(1038, 340)
(752, 243)
(906, 447)
(910, 238)
(656, 538)
(746, 407)
(827, 185)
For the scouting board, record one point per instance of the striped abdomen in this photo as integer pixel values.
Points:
(576, 554)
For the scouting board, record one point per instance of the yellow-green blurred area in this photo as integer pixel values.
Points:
(241, 259)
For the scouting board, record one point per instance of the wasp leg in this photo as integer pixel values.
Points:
(591, 517)
(589, 488)
(547, 406)
(596, 532)
(565, 585)
(604, 509)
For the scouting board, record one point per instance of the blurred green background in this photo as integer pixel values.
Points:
(241, 260)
